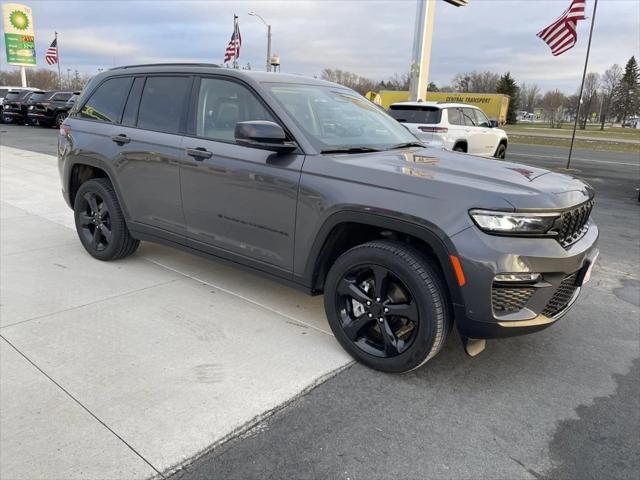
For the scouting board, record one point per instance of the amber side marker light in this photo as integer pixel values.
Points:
(457, 267)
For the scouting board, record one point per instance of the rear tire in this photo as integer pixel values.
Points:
(100, 223)
(387, 306)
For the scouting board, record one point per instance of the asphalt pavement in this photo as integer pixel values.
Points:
(561, 404)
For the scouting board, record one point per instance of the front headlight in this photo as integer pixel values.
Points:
(514, 223)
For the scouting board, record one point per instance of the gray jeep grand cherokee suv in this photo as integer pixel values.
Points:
(308, 183)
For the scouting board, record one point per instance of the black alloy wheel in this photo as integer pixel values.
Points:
(100, 222)
(94, 221)
(387, 305)
(60, 117)
(377, 310)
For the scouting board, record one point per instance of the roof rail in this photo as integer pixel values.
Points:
(167, 65)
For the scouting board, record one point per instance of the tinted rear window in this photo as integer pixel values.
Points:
(3, 92)
(105, 104)
(406, 114)
(15, 95)
(162, 103)
(61, 97)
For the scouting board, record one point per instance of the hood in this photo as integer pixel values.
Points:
(478, 182)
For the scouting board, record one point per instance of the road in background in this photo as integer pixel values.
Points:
(561, 404)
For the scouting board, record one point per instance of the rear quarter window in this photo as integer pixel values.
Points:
(106, 103)
(404, 114)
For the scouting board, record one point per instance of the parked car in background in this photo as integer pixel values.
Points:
(14, 109)
(71, 102)
(307, 182)
(48, 108)
(452, 126)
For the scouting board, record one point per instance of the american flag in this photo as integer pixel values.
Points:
(561, 35)
(52, 53)
(233, 49)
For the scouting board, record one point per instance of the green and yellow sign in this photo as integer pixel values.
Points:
(19, 40)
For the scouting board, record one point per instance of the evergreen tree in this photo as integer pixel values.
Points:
(507, 86)
(627, 96)
(432, 87)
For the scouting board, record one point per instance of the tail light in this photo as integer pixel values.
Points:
(433, 129)
(65, 130)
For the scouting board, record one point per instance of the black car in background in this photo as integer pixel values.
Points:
(14, 108)
(48, 108)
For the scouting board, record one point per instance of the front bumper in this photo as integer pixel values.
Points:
(531, 306)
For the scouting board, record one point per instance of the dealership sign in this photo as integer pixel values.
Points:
(19, 41)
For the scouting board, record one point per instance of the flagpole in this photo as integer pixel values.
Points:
(235, 29)
(59, 74)
(584, 74)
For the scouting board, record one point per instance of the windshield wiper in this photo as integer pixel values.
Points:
(351, 150)
(406, 144)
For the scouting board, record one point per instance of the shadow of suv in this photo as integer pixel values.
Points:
(308, 183)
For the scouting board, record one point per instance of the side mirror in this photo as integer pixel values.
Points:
(263, 134)
(493, 124)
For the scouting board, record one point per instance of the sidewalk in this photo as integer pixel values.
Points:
(127, 369)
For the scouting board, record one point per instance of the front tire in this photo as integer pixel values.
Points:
(387, 306)
(501, 152)
(100, 223)
(60, 117)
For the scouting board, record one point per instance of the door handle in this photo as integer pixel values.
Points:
(121, 139)
(199, 153)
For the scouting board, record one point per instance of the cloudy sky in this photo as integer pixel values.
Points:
(371, 38)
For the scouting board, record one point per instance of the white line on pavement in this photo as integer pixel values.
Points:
(526, 155)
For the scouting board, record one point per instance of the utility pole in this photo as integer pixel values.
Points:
(254, 14)
(421, 53)
(422, 40)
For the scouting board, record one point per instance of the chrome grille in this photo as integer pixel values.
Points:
(574, 224)
(510, 299)
(562, 297)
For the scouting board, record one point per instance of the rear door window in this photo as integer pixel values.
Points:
(455, 116)
(106, 103)
(163, 102)
(415, 114)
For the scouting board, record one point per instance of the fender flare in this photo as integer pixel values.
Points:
(429, 233)
(96, 163)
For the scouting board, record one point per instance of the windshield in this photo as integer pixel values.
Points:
(415, 114)
(335, 118)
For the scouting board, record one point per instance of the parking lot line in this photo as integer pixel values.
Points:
(553, 157)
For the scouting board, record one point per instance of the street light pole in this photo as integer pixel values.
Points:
(254, 14)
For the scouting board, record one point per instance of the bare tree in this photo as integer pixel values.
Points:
(610, 81)
(349, 79)
(553, 103)
(529, 96)
(589, 95)
(45, 79)
(476, 82)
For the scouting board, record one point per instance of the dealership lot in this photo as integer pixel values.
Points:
(127, 369)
